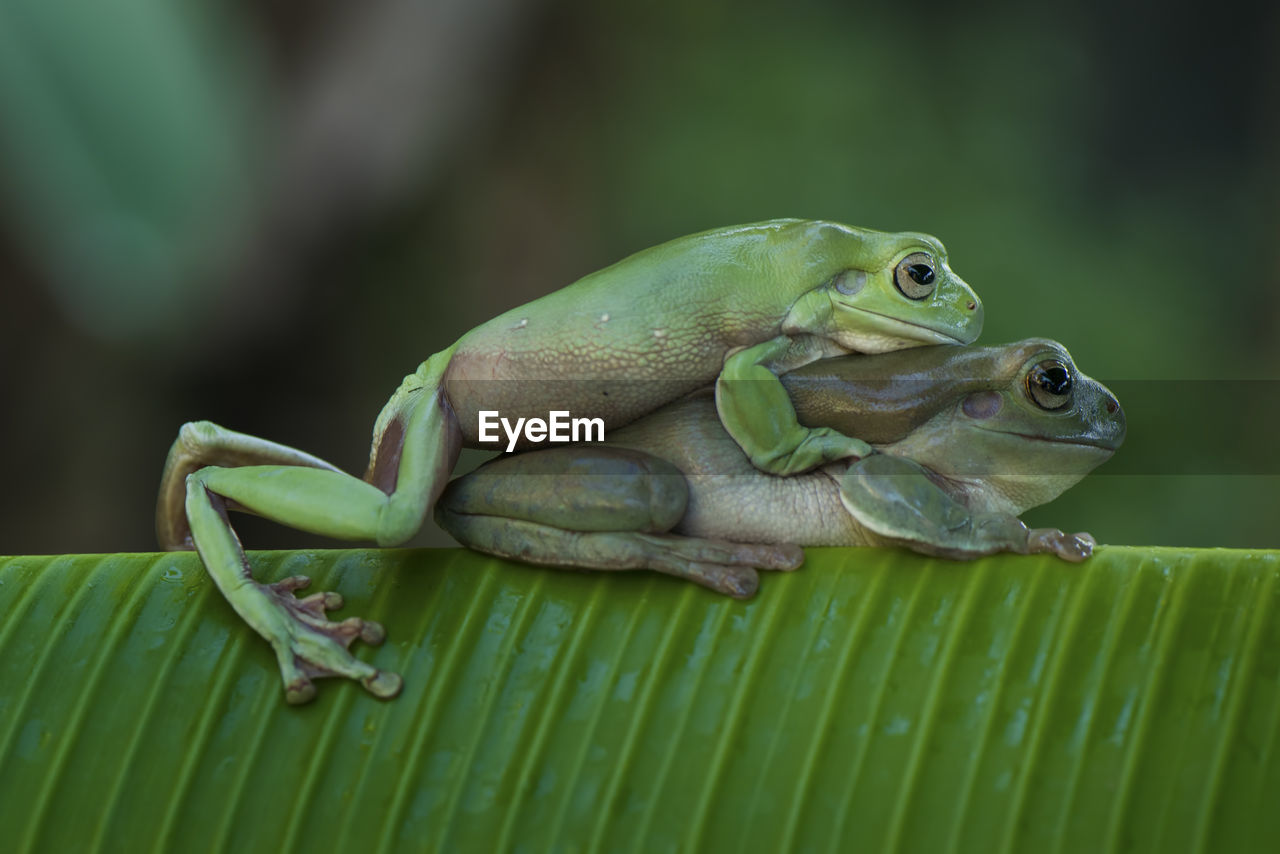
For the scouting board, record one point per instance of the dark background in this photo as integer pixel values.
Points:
(266, 214)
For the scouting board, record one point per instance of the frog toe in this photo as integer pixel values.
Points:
(299, 690)
(1069, 547)
(314, 647)
(740, 582)
(290, 584)
(372, 633)
(783, 557)
(1077, 547)
(315, 654)
(383, 684)
(317, 603)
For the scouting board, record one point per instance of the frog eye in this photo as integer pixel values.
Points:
(1049, 384)
(915, 275)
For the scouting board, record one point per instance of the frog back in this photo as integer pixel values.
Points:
(622, 341)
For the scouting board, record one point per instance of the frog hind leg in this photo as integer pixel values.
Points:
(203, 443)
(598, 508)
(896, 499)
(416, 443)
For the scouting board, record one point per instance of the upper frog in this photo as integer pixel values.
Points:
(620, 342)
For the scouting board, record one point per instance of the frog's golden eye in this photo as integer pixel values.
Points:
(915, 275)
(1049, 384)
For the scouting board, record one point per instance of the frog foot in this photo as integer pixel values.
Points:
(1070, 547)
(723, 566)
(309, 646)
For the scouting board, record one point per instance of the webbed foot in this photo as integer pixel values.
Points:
(1070, 547)
(723, 566)
(894, 498)
(309, 646)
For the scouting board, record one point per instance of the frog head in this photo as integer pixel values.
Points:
(1014, 425)
(885, 291)
(1028, 428)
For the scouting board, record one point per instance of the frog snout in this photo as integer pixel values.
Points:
(1111, 420)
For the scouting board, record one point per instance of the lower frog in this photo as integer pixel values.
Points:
(968, 438)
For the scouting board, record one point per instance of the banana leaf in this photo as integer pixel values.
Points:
(874, 700)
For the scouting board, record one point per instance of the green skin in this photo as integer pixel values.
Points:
(965, 447)
(735, 306)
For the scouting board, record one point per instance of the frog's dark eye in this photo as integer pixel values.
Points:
(1049, 384)
(915, 275)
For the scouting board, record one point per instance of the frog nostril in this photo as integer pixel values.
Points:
(1112, 406)
(972, 305)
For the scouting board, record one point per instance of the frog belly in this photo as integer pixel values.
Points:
(801, 509)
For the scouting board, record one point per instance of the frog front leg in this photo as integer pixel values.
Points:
(896, 499)
(597, 508)
(416, 443)
(757, 412)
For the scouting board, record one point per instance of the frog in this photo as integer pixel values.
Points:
(733, 307)
(966, 439)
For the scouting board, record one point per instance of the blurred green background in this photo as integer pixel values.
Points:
(266, 214)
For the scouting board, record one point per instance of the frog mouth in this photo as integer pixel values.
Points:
(1101, 443)
(910, 331)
